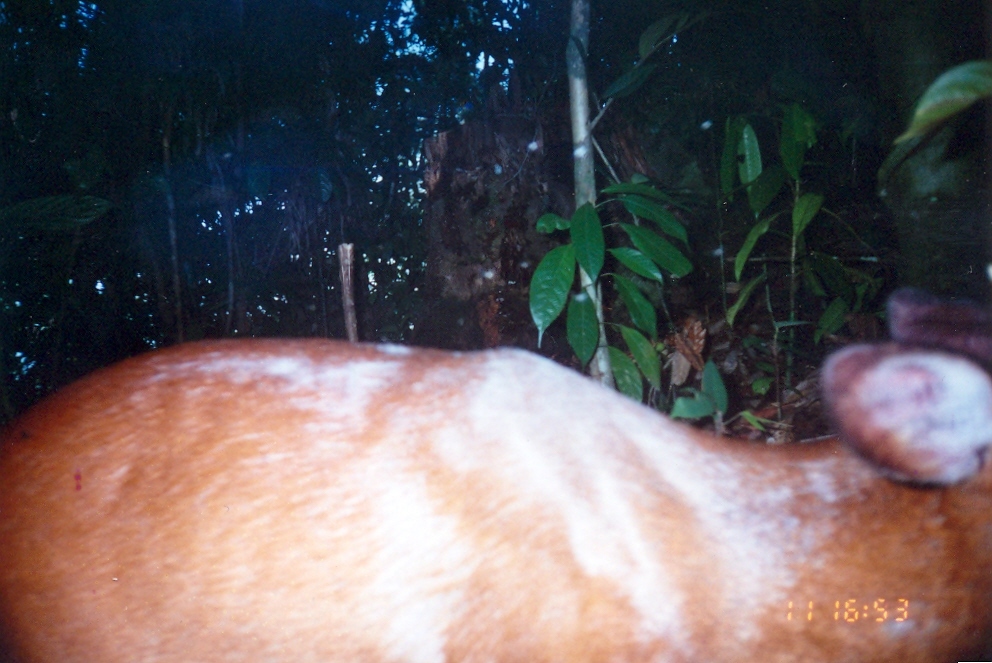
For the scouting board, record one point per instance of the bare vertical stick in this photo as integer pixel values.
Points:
(346, 260)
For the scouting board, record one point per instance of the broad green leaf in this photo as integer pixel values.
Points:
(759, 229)
(749, 156)
(733, 130)
(550, 285)
(587, 237)
(653, 211)
(629, 82)
(548, 223)
(696, 406)
(581, 326)
(658, 249)
(626, 375)
(638, 263)
(806, 208)
(798, 135)
(645, 355)
(831, 320)
(55, 213)
(811, 280)
(641, 312)
(713, 386)
(742, 298)
(764, 189)
(761, 386)
(951, 93)
(832, 274)
(656, 34)
(866, 290)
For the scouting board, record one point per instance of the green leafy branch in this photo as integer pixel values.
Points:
(824, 275)
(651, 256)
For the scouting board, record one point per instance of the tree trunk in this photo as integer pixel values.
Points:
(582, 155)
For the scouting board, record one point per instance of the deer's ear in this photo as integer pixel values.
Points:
(921, 415)
(918, 318)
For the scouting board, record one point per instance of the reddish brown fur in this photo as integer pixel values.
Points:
(426, 506)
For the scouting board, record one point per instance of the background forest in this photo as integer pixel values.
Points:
(171, 171)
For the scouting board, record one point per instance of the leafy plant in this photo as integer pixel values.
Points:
(651, 254)
(649, 257)
(953, 91)
(824, 276)
(709, 401)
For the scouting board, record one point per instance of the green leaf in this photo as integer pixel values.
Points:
(548, 223)
(951, 93)
(743, 297)
(658, 249)
(798, 135)
(764, 189)
(550, 285)
(753, 419)
(587, 237)
(759, 229)
(834, 277)
(645, 356)
(733, 130)
(806, 208)
(626, 375)
(55, 213)
(762, 385)
(811, 280)
(713, 386)
(866, 290)
(629, 82)
(641, 312)
(653, 211)
(831, 320)
(749, 155)
(582, 328)
(696, 406)
(656, 34)
(638, 263)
